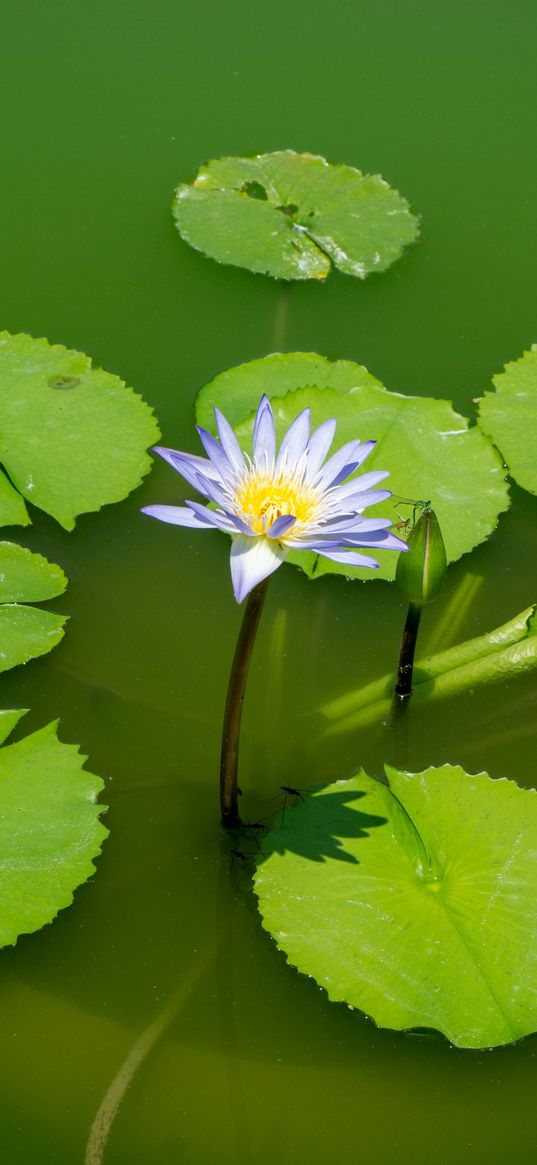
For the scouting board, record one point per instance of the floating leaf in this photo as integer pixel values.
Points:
(26, 632)
(9, 717)
(50, 830)
(509, 416)
(237, 390)
(427, 447)
(292, 215)
(13, 511)
(414, 902)
(72, 437)
(497, 656)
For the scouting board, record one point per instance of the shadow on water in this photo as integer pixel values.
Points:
(330, 819)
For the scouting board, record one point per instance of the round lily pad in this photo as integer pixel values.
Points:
(50, 830)
(509, 416)
(72, 437)
(428, 448)
(415, 902)
(293, 215)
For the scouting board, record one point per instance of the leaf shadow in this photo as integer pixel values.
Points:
(316, 827)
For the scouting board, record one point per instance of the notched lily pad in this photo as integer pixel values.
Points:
(26, 632)
(50, 829)
(423, 911)
(72, 438)
(293, 215)
(509, 417)
(428, 448)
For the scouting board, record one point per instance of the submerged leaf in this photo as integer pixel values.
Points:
(26, 632)
(421, 913)
(498, 655)
(509, 416)
(428, 448)
(72, 437)
(292, 215)
(50, 829)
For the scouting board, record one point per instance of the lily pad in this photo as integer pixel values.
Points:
(9, 718)
(509, 416)
(428, 448)
(26, 632)
(414, 902)
(293, 215)
(72, 437)
(237, 390)
(50, 830)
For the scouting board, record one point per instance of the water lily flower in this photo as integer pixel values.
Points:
(281, 500)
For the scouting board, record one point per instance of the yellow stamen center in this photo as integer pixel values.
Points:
(262, 498)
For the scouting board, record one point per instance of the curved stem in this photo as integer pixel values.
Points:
(403, 687)
(229, 758)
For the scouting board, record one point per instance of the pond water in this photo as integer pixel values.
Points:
(106, 107)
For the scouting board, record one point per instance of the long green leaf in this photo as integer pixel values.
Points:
(507, 651)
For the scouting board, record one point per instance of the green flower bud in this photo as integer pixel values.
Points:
(420, 572)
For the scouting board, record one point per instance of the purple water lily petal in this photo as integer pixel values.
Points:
(215, 491)
(295, 442)
(228, 440)
(216, 454)
(318, 446)
(332, 468)
(264, 438)
(176, 516)
(246, 489)
(189, 465)
(281, 526)
(351, 522)
(381, 539)
(360, 485)
(350, 558)
(224, 521)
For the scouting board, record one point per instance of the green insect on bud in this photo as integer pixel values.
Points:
(420, 572)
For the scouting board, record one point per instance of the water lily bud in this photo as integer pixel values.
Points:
(420, 572)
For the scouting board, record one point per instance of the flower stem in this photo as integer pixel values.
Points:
(403, 687)
(229, 757)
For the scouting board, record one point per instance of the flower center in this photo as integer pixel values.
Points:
(262, 498)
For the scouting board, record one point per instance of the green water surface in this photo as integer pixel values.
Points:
(106, 107)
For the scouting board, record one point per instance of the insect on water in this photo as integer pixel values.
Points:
(289, 792)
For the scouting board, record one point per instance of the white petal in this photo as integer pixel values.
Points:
(252, 560)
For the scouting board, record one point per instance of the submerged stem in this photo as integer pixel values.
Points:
(403, 687)
(229, 759)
